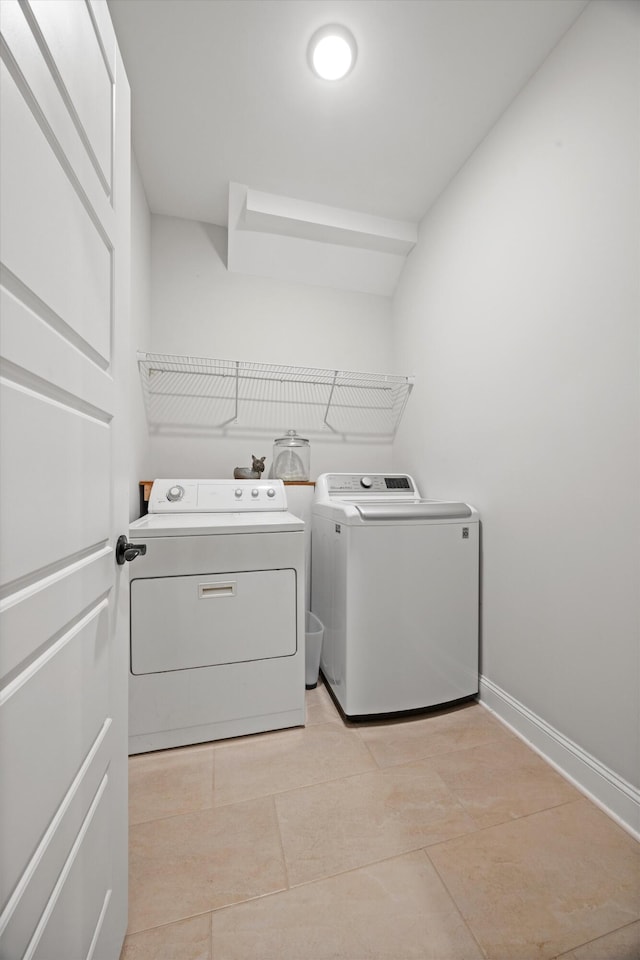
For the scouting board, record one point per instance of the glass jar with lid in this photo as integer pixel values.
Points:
(291, 457)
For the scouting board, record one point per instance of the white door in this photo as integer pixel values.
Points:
(64, 247)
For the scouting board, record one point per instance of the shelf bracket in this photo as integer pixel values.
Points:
(326, 412)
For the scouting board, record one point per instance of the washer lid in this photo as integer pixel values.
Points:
(415, 510)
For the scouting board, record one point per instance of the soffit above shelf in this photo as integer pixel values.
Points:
(300, 241)
(268, 213)
(227, 397)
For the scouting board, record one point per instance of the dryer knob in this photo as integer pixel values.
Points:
(175, 493)
(366, 482)
(238, 492)
(255, 492)
(271, 492)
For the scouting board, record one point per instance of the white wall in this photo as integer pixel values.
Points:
(140, 337)
(199, 309)
(519, 311)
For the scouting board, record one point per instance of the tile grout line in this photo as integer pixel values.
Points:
(279, 826)
(447, 753)
(424, 848)
(301, 786)
(315, 880)
(348, 776)
(210, 912)
(511, 819)
(170, 923)
(366, 745)
(414, 761)
(504, 823)
(455, 903)
(602, 936)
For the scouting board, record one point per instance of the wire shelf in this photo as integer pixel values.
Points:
(222, 395)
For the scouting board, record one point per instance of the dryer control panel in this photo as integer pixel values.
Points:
(217, 496)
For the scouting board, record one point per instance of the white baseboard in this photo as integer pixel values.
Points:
(619, 799)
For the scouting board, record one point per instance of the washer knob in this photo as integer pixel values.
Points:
(255, 492)
(238, 492)
(175, 493)
(366, 482)
(271, 492)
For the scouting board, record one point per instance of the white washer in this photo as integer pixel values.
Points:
(394, 580)
(217, 613)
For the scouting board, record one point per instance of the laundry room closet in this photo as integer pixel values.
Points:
(517, 314)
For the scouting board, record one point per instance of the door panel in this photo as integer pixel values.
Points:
(30, 617)
(64, 252)
(75, 449)
(32, 896)
(35, 352)
(49, 238)
(86, 880)
(33, 76)
(74, 46)
(42, 705)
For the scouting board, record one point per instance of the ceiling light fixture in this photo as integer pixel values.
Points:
(332, 52)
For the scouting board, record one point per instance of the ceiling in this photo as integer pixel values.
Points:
(222, 92)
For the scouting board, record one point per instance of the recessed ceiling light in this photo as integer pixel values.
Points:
(332, 52)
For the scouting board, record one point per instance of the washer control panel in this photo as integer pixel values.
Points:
(216, 496)
(358, 484)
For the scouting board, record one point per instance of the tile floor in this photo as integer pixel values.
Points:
(442, 837)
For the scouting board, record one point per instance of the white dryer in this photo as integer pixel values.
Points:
(394, 580)
(217, 613)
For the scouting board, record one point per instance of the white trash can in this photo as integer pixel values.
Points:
(314, 632)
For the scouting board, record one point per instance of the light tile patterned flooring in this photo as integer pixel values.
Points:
(442, 837)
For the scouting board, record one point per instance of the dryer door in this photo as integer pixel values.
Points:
(180, 623)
